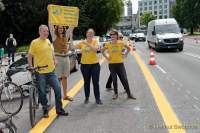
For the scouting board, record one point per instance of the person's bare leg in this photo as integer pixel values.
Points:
(64, 84)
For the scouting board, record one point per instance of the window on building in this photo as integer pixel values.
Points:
(150, 2)
(165, 16)
(160, 12)
(155, 7)
(155, 12)
(140, 9)
(145, 8)
(145, 3)
(141, 14)
(165, 11)
(160, 6)
(155, 1)
(160, 1)
(160, 16)
(165, 1)
(140, 3)
(150, 7)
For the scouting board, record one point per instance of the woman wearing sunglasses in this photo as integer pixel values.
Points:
(116, 65)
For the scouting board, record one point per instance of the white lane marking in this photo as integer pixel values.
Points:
(188, 92)
(193, 55)
(196, 98)
(137, 109)
(161, 69)
(193, 46)
(196, 107)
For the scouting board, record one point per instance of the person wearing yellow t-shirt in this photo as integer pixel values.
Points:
(41, 54)
(131, 44)
(90, 67)
(115, 57)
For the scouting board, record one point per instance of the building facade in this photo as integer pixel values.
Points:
(159, 8)
(130, 22)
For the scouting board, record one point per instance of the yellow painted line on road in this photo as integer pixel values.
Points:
(44, 123)
(172, 123)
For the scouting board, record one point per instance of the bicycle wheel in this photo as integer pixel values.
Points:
(33, 105)
(11, 98)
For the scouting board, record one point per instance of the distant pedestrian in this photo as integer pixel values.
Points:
(11, 44)
(61, 49)
(90, 67)
(116, 66)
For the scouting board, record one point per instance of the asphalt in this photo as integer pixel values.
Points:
(176, 73)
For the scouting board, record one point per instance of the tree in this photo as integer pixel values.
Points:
(187, 13)
(146, 18)
(22, 17)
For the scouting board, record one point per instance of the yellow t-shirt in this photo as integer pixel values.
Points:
(88, 56)
(42, 51)
(115, 51)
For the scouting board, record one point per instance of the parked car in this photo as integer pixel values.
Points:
(140, 37)
(18, 68)
(164, 34)
(132, 36)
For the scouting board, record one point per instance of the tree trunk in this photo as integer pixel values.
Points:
(191, 30)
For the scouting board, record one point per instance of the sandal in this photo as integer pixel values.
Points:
(68, 98)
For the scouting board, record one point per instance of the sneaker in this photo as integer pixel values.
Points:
(131, 97)
(99, 102)
(45, 113)
(63, 113)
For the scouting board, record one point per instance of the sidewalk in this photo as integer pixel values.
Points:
(194, 40)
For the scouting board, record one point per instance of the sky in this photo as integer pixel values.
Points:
(135, 6)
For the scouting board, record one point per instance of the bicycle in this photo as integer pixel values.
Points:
(7, 125)
(11, 96)
(33, 95)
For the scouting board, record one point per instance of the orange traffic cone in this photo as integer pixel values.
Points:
(152, 60)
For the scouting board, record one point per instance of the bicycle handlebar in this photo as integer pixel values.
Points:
(37, 68)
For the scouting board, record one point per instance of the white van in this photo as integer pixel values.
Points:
(164, 34)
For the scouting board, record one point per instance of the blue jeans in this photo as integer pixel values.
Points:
(52, 80)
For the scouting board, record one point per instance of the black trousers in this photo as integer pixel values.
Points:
(91, 71)
(118, 69)
(11, 53)
(109, 82)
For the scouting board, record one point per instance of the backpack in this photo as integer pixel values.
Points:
(10, 43)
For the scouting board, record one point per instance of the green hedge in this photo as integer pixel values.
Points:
(23, 48)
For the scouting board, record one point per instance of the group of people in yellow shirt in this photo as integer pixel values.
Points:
(56, 57)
